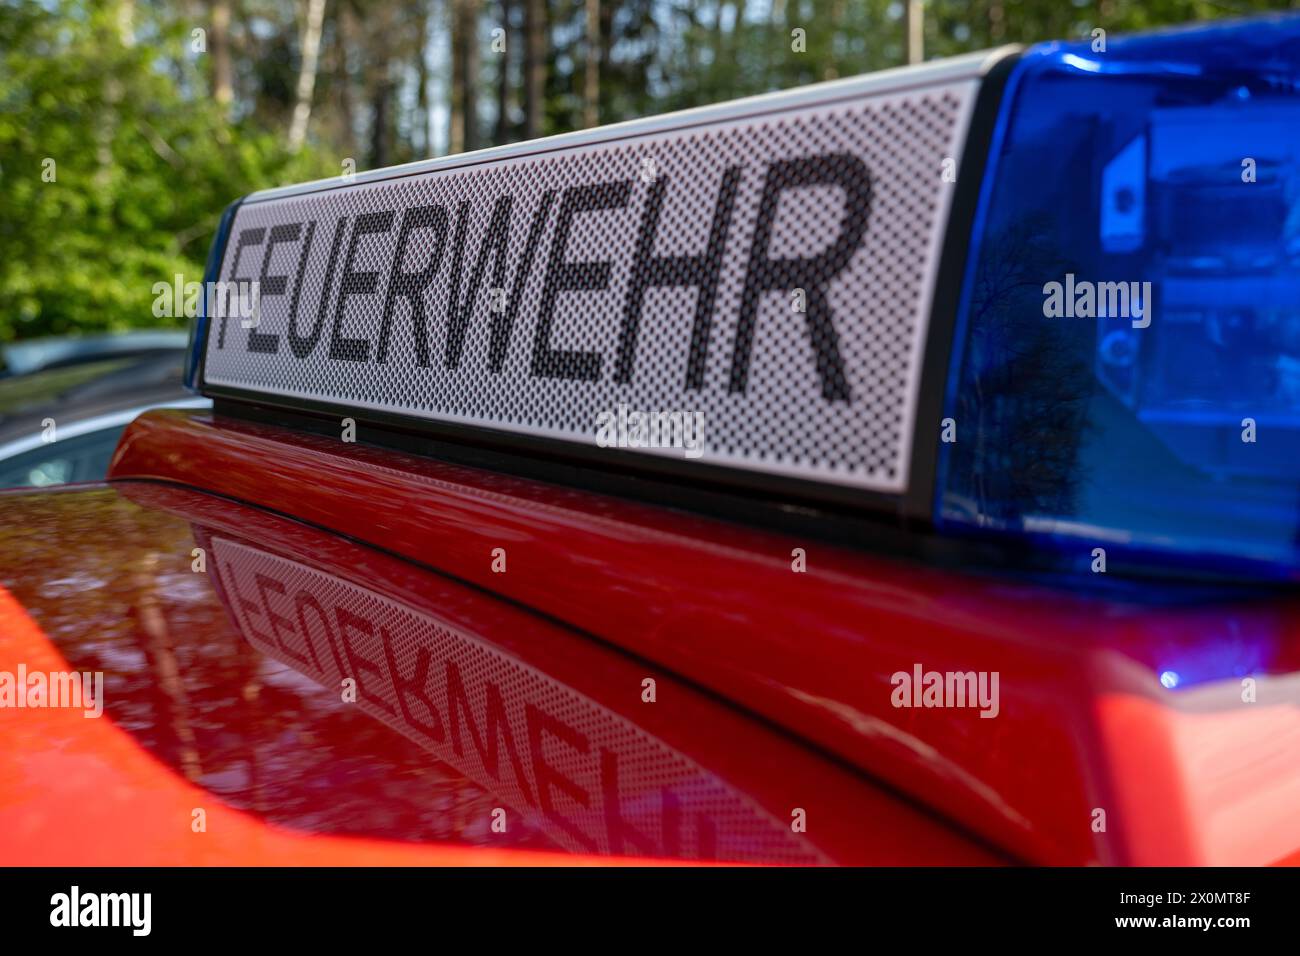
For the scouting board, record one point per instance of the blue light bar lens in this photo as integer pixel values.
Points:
(1126, 369)
(199, 326)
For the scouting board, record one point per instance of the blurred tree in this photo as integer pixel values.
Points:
(464, 76)
(312, 22)
(345, 120)
(381, 24)
(126, 126)
(111, 178)
(422, 123)
(591, 66)
(223, 84)
(534, 66)
(915, 25)
(504, 78)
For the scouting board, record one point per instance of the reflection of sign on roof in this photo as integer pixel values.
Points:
(589, 778)
(767, 264)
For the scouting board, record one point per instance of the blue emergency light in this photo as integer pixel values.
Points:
(1126, 364)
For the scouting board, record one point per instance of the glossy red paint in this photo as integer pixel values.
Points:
(1085, 726)
(82, 792)
(223, 692)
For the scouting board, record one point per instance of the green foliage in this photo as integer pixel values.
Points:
(140, 173)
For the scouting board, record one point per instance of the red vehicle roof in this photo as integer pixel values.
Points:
(480, 690)
(222, 693)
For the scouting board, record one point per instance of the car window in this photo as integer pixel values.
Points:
(83, 458)
(41, 388)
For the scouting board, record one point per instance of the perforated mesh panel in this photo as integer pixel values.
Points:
(600, 765)
(781, 293)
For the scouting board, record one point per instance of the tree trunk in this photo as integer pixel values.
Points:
(836, 15)
(997, 21)
(775, 70)
(311, 30)
(534, 67)
(107, 119)
(464, 76)
(606, 44)
(379, 144)
(470, 62)
(737, 36)
(456, 113)
(422, 79)
(380, 31)
(591, 72)
(915, 20)
(223, 84)
(503, 79)
(343, 78)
